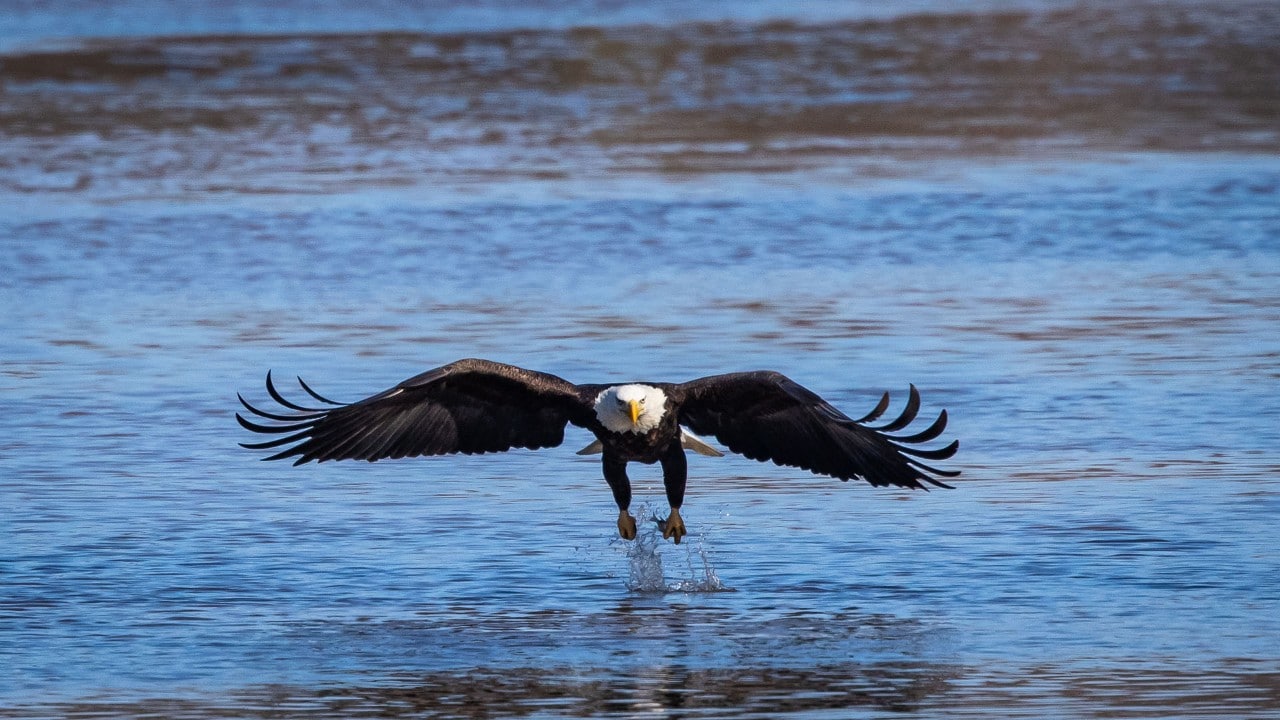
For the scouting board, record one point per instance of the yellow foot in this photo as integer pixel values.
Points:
(673, 526)
(626, 525)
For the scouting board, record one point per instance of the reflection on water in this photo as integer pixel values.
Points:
(965, 201)
(575, 692)
(854, 690)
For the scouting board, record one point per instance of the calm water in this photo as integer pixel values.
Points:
(1061, 222)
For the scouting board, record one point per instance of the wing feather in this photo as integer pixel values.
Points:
(929, 433)
(876, 411)
(908, 413)
(939, 454)
(470, 406)
(307, 388)
(262, 413)
(275, 443)
(275, 395)
(767, 416)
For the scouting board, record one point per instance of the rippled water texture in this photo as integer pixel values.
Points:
(1060, 222)
(177, 116)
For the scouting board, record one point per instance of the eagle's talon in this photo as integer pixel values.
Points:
(626, 525)
(673, 527)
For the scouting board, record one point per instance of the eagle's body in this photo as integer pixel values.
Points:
(477, 406)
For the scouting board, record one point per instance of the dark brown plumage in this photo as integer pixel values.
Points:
(478, 406)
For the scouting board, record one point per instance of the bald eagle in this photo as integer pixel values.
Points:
(478, 406)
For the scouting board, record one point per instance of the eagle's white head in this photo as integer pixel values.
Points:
(631, 408)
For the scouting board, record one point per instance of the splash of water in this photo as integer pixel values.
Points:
(644, 561)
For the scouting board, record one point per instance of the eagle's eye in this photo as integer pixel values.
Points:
(641, 401)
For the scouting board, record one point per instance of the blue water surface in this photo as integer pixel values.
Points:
(1101, 325)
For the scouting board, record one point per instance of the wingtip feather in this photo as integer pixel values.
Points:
(316, 395)
(908, 413)
(877, 411)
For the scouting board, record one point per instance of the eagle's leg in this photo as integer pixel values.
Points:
(615, 473)
(675, 470)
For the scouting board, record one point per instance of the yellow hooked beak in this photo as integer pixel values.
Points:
(634, 406)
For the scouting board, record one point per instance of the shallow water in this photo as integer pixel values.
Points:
(1060, 222)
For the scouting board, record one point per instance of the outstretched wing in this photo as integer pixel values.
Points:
(470, 406)
(768, 416)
